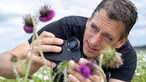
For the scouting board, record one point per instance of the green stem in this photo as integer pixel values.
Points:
(41, 53)
(16, 72)
(35, 36)
(32, 50)
(65, 75)
(100, 60)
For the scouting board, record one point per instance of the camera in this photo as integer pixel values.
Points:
(70, 51)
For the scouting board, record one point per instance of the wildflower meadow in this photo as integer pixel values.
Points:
(139, 76)
(140, 73)
(46, 74)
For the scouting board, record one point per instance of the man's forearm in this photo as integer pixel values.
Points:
(7, 67)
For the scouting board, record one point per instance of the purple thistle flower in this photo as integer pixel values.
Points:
(84, 70)
(28, 27)
(46, 14)
(87, 69)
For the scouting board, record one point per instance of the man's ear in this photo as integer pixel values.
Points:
(121, 42)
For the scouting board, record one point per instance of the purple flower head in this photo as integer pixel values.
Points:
(84, 70)
(46, 14)
(28, 26)
(87, 69)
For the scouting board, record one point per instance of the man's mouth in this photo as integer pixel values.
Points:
(91, 48)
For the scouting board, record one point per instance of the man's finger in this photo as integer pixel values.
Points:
(78, 76)
(45, 34)
(47, 41)
(95, 78)
(72, 78)
(40, 60)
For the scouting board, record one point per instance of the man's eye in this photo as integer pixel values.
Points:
(107, 38)
(94, 27)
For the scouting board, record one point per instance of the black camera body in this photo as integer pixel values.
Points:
(70, 51)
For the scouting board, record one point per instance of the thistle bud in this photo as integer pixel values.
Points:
(14, 59)
(117, 61)
(28, 24)
(46, 13)
(111, 58)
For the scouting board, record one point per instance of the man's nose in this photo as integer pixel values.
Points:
(96, 39)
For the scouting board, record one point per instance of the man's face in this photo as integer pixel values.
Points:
(101, 32)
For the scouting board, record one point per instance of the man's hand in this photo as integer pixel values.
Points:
(23, 51)
(48, 43)
(75, 76)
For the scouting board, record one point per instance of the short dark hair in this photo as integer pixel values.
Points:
(120, 10)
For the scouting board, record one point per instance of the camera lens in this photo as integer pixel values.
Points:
(73, 43)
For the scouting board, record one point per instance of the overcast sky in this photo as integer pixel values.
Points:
(13, 11)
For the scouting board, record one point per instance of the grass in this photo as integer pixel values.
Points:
(140, 73)
(139, 76)
(39, 76)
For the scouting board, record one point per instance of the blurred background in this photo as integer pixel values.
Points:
(13, 11)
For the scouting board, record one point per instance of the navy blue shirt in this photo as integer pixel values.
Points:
(74, 26)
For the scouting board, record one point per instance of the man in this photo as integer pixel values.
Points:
(109, 25)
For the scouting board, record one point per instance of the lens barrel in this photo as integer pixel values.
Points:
(73, 43)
